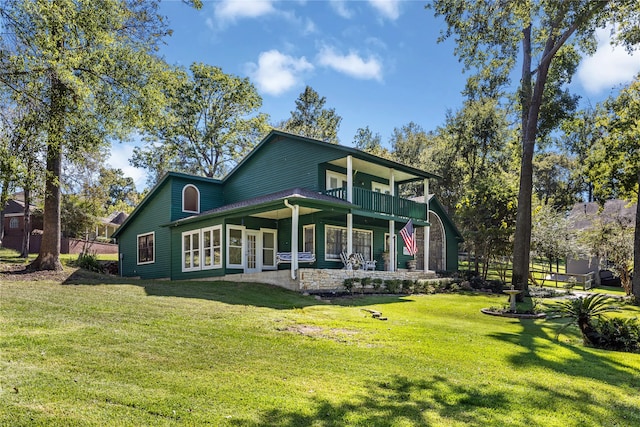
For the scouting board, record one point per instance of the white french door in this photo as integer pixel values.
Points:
(253, 253)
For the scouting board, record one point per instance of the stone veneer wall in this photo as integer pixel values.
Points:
(315, 280)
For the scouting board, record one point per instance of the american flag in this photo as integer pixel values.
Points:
(409, 238)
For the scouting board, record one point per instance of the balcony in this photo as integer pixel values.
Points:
(382, 203)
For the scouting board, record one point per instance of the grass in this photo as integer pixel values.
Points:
(100, 351)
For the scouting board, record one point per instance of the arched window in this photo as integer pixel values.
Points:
(190, 199)
(14, 222)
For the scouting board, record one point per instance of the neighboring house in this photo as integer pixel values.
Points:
(14, 223)
(14, 230)
(109, 225)
(583, 217)
(290, 194)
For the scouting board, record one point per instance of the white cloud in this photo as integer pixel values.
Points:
(608, 67)
(276, 72)
(119, 159)
(388, 8)
(340, 7)
(229, 11)
(351, 64)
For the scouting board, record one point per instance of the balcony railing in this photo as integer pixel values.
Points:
(382, 203)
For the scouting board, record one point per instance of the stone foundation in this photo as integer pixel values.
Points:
(315, 280)
(326, 280)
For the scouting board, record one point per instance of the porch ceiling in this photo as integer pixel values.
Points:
(375, 169)
(283, 213)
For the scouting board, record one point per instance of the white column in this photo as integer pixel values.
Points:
(427, 229)
(349, 179)
(392, 245)
(393, 256)
(295, 214)
(350, 200)
(349, 233)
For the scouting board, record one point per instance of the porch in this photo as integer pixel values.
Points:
(314, 280)
(373, 201)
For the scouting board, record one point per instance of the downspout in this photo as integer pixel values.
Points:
(295, 213)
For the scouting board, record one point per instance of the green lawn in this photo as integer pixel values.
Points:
(125, 352)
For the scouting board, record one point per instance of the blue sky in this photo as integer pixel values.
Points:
(377, 62)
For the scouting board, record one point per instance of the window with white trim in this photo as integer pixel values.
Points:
(378, 187)
(191, 250)
(190, 199)
(269, 244)
(235, 246)
(309, 236)
(146, 248)
(336, 242)
(212, 247)
(14, 222)
(336, 180)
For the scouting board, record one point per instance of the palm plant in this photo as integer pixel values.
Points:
(582, 311)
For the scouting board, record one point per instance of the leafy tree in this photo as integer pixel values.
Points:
(486, 215)
(553, 180)
(489, 35)
(312, 120)
(551, 235)
(611, 238)
(91, 68)
(614, 160)
(20, 166)
(365, 140)
(210, 124)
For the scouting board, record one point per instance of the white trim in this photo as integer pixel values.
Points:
(151, 233)
(273, 231)
(340, 177)
(213, 265)
(326, 228)
(242, 229)
(197, 200)
(193, 266)
(380, 187)
(444, 238)
(258, 251)
(313, 237)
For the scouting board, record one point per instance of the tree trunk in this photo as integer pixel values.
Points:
(635, 283)
(522, 238)
(26, 231)
(49, 256)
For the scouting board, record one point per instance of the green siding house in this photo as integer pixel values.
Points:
(293, 203)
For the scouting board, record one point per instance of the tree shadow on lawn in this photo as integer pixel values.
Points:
(236, 293)
(400, 399)
(599, 368)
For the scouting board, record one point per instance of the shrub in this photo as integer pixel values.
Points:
(377, 283)
(619, 334)
(89, 261)
(583, 311)
(393, 286)
(349, 284)
(408, 286)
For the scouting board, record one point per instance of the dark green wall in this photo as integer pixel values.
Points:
(155, 213)
(279, 165)
(211, 195)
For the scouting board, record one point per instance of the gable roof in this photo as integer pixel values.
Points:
(406, 173)
(156, 188)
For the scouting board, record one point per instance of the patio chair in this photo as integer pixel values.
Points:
(366, 265)
(346, 260)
